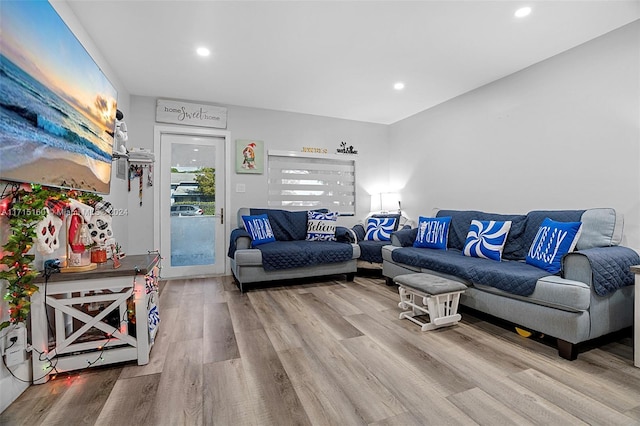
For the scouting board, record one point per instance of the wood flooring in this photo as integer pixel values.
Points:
(331, 352)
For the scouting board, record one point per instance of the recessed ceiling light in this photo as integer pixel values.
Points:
(196, 149)
(399, 85)
(203, 51)
(522, 12)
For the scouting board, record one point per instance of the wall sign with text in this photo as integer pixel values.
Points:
(178, 112)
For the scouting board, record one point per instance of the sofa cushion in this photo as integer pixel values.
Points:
(511, 276)
(433, 232)
(600, 228)
(552, 242)
(286, 225)
(297, 254)
(552, 291)
(259, 229)
(321, 226)
(371, 251)
(486, 239)
(380, 228)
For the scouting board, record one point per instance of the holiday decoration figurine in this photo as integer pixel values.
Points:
(47, 233)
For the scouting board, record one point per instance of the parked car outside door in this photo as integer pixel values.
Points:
(185, 210)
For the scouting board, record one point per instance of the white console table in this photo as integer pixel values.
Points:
(72, 317)
(636, 318)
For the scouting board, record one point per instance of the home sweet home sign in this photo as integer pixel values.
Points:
(190, 114)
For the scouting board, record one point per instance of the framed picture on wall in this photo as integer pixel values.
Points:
(249, 156)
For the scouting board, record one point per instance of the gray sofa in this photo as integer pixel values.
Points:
(291, 255)
(591, 296)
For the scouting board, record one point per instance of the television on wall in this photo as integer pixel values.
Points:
(57, 108)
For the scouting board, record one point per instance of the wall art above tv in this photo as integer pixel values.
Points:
(57, 108)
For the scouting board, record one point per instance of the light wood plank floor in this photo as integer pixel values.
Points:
(330, 352)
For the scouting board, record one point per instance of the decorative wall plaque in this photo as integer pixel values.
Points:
(178, 112)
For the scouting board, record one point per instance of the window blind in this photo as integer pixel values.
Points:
(298, 182)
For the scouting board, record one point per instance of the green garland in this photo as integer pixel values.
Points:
(16, 266)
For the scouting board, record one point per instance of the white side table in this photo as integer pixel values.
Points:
(636, 318)
(61, 315)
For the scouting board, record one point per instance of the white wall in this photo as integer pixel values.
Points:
(561, 134)
(279, 131)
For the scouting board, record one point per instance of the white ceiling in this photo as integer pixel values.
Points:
(335, 58)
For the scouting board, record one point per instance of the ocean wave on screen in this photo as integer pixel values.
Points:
(31, 112)
(85, 146)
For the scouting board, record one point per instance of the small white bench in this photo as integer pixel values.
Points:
(439, 299)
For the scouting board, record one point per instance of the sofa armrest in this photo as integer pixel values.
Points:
(345, 235)
(404, 237)
(240, 239)
(359, 231)
(605, 269)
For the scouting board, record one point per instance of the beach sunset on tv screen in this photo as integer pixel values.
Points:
(57, 108)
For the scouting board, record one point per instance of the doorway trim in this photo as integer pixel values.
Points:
(158, 132)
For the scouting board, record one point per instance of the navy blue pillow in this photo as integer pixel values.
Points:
(552, 242)
(259, 228)
(433, 232)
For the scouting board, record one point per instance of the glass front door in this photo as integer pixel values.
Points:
(191, 202)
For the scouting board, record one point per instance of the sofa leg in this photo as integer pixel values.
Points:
(351, 276)
(567, 350)
(242, 288)
(389, 281)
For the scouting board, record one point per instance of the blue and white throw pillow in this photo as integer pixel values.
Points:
(259, 228)
(321, 226)
(486, 239)
(433, 232)
(552, 242)
(380, 228)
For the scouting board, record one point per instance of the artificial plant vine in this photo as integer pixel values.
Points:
(24, 207)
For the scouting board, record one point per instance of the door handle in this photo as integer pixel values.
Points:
(222, 216)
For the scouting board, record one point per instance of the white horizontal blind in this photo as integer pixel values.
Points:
(299, 182)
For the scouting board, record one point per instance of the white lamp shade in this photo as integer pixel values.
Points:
(376, 203)
(390, 201)
(385, 202)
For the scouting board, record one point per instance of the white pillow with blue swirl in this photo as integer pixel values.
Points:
(380, 228)
(486, 239)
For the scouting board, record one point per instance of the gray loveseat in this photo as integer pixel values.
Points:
(591, 296)
(291, 255)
